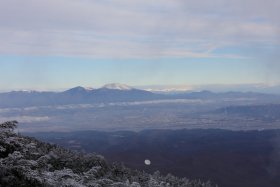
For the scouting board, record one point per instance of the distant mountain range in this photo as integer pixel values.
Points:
(106, 94)
(77, 95)
(175, 89)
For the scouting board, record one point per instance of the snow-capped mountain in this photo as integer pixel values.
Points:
(117, 86)
(78, 95)
(108, 93)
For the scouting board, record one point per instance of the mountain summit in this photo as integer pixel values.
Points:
(79, 89)
(117, 86)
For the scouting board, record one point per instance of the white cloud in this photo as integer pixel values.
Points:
(25, 119)
(135, 28)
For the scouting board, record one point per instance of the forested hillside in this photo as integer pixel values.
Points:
(25, 161)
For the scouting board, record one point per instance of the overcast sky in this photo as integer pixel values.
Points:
(51, 44)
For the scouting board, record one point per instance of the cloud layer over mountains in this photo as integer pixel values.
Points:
(139, 28)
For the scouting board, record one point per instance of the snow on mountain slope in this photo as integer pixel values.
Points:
(117, 86)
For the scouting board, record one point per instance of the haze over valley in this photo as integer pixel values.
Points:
(121, 107)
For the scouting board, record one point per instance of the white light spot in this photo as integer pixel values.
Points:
(147, 162)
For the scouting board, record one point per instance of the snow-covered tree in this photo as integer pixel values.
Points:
(25, 161)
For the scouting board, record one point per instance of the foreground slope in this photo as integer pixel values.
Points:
(227, 158)
(25, 161)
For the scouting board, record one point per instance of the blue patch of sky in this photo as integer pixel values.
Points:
(19, 72)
